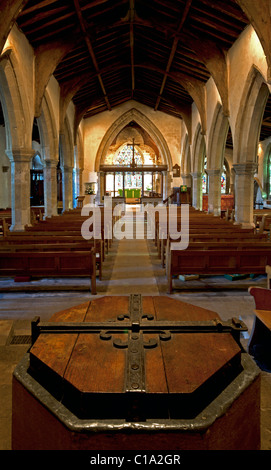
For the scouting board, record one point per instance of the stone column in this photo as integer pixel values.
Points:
(197, 190)
(165, 188)
(20, 187)
(67, 174)
(79, 181)
(100, 187)
(214, 194)
(186, 180)
(50, 188)
(244, 193)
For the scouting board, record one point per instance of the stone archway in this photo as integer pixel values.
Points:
(66, 163)
(215, 158)
(186, 163)
(198, 154)
(133, 115)
(49, 141)
(18, 121)
(152, 130)
(246, 141)
(78, 165)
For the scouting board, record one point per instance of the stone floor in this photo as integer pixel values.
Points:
(131, 266)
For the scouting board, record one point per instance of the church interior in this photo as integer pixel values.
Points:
(114, 106)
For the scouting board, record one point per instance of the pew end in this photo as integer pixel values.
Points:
(268, 272)
(259, 344)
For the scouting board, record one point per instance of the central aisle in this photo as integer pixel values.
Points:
(133, 271)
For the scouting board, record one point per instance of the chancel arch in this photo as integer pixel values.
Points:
(136, 155)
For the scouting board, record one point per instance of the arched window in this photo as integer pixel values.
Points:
(224, 180)
(125, 156)
(205, 182)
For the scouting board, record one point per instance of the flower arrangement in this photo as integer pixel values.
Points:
(89, 188)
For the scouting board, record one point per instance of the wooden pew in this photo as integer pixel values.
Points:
(214, 236)
(33, 245)
(49, 264)
(259, 344)
(265, 223)
(218, 260)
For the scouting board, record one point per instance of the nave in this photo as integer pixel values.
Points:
(130, 266)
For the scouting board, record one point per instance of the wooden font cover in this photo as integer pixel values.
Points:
(138, 358)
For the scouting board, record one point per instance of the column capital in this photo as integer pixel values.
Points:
(51, 163)
(67, 168)
(20, 155)
(196, 174)
(214, 172)
(247, 168)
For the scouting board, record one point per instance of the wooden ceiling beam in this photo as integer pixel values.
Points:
(173, 50)
(56, 13)
(37, 6)
(132, 14)
(226, 9)
(50, 23)
(90, 49)
(9, 11)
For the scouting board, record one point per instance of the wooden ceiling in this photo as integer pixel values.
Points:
(131, 49)
(127, 49)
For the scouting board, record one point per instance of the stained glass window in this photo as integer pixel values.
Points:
(205, 178)
(223, 180)
(125, 156)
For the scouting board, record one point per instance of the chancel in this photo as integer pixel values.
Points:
(135, 215)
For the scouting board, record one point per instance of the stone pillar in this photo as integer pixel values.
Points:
(214, 194)
(165, 189)
(186, 180)
(79, 181)
(100, 188)
(197, 190)
(20, 187)
(50, 188)
(244, 193)
(67, 174)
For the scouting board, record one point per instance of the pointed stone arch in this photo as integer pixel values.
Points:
(198, 154)
(217, 139)
(133, 115)
(18, 119)
(49, 141)
(198, 150)
(185, 158)
(18, 125)
(66, 150)
(48, 130)
(249, 118)
(246, 139)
